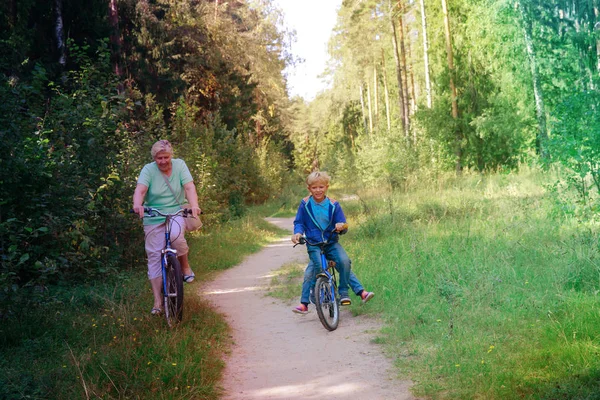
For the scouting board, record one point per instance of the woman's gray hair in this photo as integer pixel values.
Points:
(161, 145)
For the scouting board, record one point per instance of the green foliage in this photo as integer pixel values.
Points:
(575, 144)
(75, 137)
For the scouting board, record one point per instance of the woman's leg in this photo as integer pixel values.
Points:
(156, 284)
(180, 244)
(154, 243)
(185, 264)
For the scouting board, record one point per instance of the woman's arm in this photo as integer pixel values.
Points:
(192, 198)
(138, 199)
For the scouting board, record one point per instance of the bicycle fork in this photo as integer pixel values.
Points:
(163, 262)
(325, 272)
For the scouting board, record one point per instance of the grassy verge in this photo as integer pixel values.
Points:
(484, 291)
(100, 341)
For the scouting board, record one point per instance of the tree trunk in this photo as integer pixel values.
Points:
(60, 34)
(387, 94)
(362, 107)
(401, 106)
(375, 95)
(403, 62)
(597, 31)
(115, 36)
(458, 136)
(426, 54)
(370, 109)
(12, 9)
(409, 66)
(540, 111)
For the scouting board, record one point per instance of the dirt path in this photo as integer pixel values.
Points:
(281, 355)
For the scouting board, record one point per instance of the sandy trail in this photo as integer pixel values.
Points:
(281, 355)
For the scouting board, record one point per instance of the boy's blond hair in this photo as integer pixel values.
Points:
(318, 176)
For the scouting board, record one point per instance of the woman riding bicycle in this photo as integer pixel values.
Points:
(165, 184)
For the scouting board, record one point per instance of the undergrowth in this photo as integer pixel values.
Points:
(100, 341)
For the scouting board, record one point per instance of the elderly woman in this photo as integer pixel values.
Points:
(152, 190)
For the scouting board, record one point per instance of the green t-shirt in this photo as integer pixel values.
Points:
(159, 195)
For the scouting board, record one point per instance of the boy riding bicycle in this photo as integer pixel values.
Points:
(321, 219)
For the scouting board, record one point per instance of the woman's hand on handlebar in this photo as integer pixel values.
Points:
(139, 210)
(196, 211)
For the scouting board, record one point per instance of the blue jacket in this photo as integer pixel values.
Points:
(306, 224)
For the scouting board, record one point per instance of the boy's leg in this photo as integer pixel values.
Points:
(308, 283)
(358, 288)
(355, 284)
(336, 252)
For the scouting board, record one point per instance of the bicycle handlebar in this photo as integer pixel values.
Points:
(153, 211)
(303, 239)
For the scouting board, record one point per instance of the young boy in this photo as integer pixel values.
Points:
(321, 219)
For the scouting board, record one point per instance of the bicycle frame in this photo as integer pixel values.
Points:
(325, 272)
(167, 250)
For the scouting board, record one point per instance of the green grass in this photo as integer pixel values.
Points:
(101, 342)
(483, 293)
(287, 281)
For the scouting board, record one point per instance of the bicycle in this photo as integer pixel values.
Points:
(172, 274)
(326, 296)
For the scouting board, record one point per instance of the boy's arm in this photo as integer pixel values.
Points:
(298, 226)
(339, 218)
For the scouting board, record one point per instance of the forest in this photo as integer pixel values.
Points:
(417, 90)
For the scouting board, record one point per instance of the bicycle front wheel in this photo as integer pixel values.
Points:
(327, 306)
(173, 298)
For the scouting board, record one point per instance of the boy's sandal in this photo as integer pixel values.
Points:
(345, 301)
(366, 296)
(156, 311)
(301, 309)
(189, 278)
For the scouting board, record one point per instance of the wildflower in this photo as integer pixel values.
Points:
(174, 364)
(457, 365)
(492, 347)
(149, 362)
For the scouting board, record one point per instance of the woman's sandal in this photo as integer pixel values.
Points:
(156, 311)
(189, 278)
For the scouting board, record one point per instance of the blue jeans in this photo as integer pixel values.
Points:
(334, 252)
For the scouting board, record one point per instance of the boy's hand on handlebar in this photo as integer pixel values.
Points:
(341, 226)
(296, 238)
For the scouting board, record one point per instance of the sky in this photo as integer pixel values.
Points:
(313, 21)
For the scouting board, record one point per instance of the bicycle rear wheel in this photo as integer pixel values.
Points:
(173, 298)
(327, 306)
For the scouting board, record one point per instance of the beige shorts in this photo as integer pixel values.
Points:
(155, 242)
